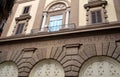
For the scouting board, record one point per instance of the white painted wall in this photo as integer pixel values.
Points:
(111, 11)
(19, 11)
(82, 12)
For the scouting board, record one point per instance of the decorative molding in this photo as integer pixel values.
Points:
(66, 2)
(57, 7)
(95, 4)
(72, 45)
(28, 52)
(29, 49)
(23, 17)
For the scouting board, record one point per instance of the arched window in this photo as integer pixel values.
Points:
(47, 68)
(100, 67)
(8, 69)
(56, 17)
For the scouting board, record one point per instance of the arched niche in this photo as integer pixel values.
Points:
(47, 68)
(100, 67)
(8, 69)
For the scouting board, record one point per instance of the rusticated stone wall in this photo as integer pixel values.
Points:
(71, 51)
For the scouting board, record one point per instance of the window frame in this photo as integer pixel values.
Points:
(55, 13)
(96, 16)
(57, 27)
(24, 9)
(23, 30)
(102, 15)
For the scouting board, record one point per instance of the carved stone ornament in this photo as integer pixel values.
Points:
(57, 7)
(23, 17)
(95, 3)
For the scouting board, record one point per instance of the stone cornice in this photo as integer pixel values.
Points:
(88, 28)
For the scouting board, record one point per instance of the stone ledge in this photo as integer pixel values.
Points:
(81, 29)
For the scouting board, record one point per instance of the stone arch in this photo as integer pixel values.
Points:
(66, 2)
(100, 66)
(8, 69)
(46, 68)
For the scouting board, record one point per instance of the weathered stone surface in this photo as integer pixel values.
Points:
(111, 49)
(71, 74)
(66, 69)
(74, 68)
(58, 52)
(99, 48)
(21, 61)
(53, 51)
(117, 52)
(65, 59)
(118, 58)
(72, 51)
(105, 47)
(71, 63)
(35, 57)
(82, 53)
(61, 56)
(77, 58)
(23, 74)
(90, 50)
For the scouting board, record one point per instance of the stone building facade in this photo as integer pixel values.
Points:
(61, 38)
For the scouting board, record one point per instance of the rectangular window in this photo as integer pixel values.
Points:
(96, 16)
(20, 28)
(26, 9)
(55, 23)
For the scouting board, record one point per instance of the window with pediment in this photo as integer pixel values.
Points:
(96, 11)
(47, 68)
(100, 67)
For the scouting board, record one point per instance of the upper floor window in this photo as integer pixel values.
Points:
(20, 28)
(96, 11)
(96, 16)
(56, 17)
(26, 10)
(55, 23)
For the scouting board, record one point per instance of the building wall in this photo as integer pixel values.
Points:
(19, 11)
(78, 19)
(70, 49)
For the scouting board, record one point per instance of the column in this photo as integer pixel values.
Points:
(67, 17)
(44, 21)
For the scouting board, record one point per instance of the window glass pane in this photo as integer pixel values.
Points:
(20, 28)
(55, 23)
(93, 16)
(99, 18)
(96, 16)
(26, 9)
